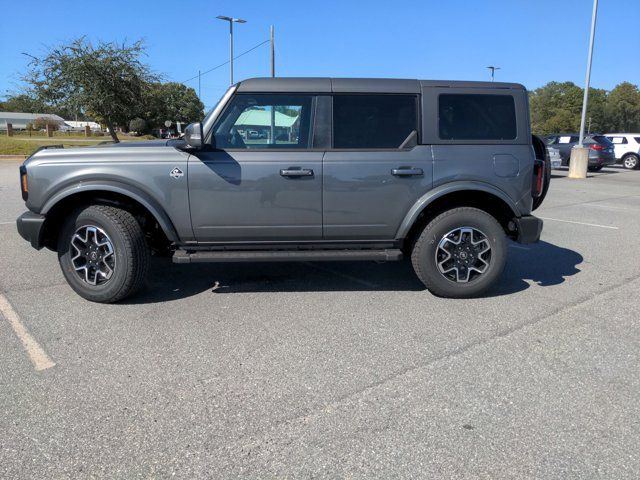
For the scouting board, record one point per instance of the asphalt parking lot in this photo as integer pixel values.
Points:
(336, 370)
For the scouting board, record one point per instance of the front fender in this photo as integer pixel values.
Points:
(445, 189)
(121, 188)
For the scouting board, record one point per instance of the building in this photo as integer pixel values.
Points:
(256, 123)
(79, 125)
(20, 120)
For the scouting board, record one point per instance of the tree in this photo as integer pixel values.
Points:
(172, 101)
(107, 81)
(24, 103)
(139, 126)
(623, 108)
(40, 123)
(556, 107)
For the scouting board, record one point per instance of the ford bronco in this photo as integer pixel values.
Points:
(313, 169)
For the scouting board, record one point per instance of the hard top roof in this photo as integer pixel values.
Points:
(358, 85)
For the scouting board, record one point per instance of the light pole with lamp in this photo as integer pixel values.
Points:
(231, 21)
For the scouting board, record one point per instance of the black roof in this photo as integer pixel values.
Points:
(359, 85)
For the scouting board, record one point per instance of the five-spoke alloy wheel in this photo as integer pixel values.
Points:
(93, 255)
(463, 254)
(103, 253)
(460, 253)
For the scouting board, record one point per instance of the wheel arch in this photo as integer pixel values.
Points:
(459, 194)
(111, 193)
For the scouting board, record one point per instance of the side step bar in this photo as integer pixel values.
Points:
(386, 255)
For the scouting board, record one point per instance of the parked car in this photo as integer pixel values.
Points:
(554, 157)
(627, 148)
(443, 172)
(601, 151)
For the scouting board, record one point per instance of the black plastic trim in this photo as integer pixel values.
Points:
(30, 227)
(529, 229)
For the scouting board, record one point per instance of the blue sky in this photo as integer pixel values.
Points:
(534, 41)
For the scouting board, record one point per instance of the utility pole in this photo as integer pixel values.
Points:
(493, 71)
(272, 132)
(199, 96)
(273, 52)
(231, 21)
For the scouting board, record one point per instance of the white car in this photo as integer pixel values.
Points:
(627, 148)
(554, 157)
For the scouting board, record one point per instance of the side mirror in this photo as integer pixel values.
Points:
(193, 135)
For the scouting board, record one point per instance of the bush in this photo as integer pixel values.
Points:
(138, 126)
(41, 123)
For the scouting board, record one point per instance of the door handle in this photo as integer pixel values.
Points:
(296, 172)
(406, 172)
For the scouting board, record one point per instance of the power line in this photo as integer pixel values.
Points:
(225, 63)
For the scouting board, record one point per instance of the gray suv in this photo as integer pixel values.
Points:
(341, 169)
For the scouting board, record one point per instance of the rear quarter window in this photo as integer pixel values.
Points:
(476, 117)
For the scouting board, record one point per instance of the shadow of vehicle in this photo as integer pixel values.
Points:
(169, 281)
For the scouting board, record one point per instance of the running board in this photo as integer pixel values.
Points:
(386, 255)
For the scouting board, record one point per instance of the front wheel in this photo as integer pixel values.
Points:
(103, 254)
(460, 253)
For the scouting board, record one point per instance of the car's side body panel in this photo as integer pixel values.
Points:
(144, 174)
(362, 198)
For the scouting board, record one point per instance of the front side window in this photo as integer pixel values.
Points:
(259, 121)
(374, 121)
(476, 117)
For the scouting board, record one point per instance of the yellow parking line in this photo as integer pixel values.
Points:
(37, 355)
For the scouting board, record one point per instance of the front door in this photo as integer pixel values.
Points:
(376, 170)
(262, 182)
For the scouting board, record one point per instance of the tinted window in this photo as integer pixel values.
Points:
(476, 117)
(617, 140)
(603, 140)
(374, 121)
(637, 139)
(265, 121)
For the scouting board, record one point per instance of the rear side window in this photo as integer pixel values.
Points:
(617, 140)
(637, 139)
(476, 117)
(374, 121)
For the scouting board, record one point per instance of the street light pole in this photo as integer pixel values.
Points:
(585, 98)
(493, 71)
(231, 21)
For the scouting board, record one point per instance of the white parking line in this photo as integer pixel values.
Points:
(37, 355)
(580, 223)
(7, 223)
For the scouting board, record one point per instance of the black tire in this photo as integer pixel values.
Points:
(595, 169)
(423, 256)
(631, 161)
(130, 257)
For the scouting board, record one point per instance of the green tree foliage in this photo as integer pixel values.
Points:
(623, 108)
(556, 108)
(41, 123)
(24, 103)
(139, 126)
(172, 101)
(107, 81)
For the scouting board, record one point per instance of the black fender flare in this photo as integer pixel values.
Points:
(148, 202)
(445, 189)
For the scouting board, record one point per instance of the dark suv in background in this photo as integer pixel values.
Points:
(601, 150)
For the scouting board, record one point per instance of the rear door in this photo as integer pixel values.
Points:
(376, 168)
(620, 145)
(263, 180)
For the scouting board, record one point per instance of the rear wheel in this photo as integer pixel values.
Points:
(460, 253)
(631, 161)
(595, 169)
(103, 254)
